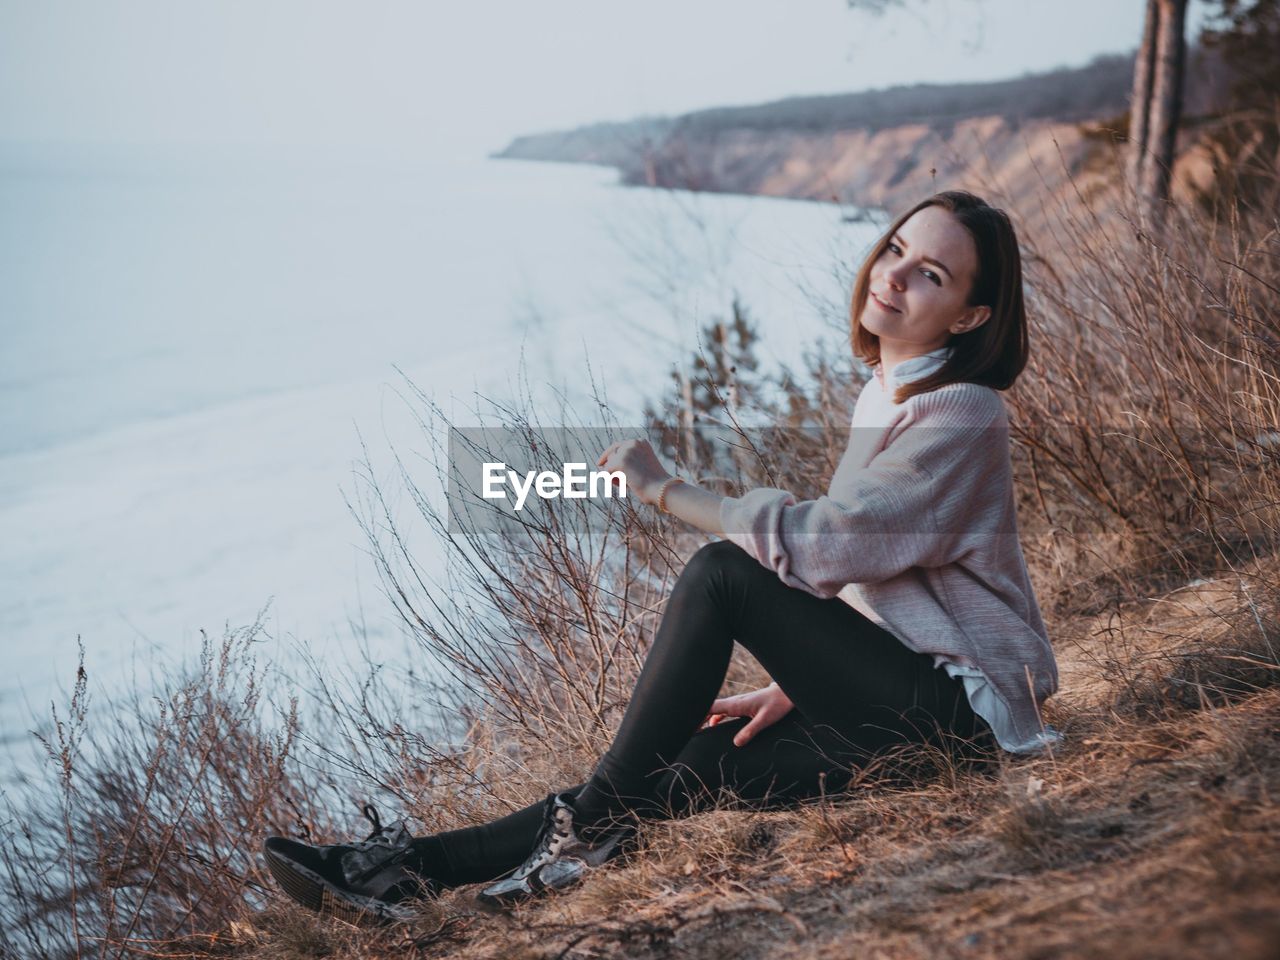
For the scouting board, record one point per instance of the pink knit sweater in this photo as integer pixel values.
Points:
(918, 532)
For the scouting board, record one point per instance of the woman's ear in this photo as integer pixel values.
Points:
(971, 319)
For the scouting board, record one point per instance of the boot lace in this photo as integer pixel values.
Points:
(379, 837)
(551, 838)
(384, 847)
(384, 837)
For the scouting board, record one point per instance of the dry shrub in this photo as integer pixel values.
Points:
(1145, 426)
(149, 837)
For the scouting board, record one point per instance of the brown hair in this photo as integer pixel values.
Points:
(993, 353)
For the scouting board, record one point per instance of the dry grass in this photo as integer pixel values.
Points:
(1149, 519)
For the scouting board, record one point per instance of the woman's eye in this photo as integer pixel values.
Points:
(932, 276)
(893, 248)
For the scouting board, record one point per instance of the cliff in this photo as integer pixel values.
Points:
(887, 168)
(1030, 137)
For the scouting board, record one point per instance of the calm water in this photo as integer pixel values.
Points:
(194, 342)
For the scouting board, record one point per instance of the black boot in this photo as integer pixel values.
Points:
(559, 858)
(361, 882)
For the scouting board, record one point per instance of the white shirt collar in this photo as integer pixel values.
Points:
(914, 368)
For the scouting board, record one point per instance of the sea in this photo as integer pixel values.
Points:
(203, 349)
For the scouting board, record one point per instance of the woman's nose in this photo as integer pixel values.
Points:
(896, 275)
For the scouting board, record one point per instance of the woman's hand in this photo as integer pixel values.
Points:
(764, 707)
(636, 459)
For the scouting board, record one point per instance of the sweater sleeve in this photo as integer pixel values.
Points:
(924, 500)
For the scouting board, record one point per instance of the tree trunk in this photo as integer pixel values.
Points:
(1165, 103)
(1140, 101)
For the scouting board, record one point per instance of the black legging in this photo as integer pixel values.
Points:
(858, 691)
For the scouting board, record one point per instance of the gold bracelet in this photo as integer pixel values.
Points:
(662, 492)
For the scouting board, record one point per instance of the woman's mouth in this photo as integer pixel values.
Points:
(886, 306)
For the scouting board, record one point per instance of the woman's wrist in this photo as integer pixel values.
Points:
(686, 501)
(660, 495)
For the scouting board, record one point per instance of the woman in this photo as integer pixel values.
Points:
(897, 609)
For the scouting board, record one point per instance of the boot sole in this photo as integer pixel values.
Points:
(308, 888)
(501, 903)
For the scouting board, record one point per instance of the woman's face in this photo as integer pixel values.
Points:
(921, 282)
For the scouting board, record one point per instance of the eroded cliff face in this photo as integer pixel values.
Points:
(1029, 167)
(889, 168)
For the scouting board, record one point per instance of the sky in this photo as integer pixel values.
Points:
(472, 75)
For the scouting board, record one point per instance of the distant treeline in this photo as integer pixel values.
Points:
(1098, 89)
